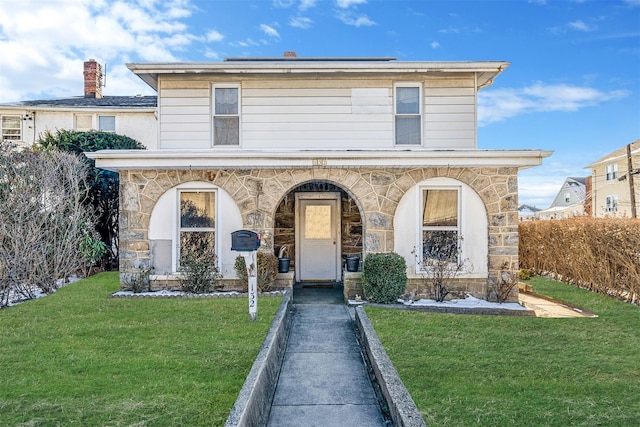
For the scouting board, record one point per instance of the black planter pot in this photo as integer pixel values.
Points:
(353, 262)
(283, 265)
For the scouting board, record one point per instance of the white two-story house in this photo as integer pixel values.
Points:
(330, 156)
(24, 122)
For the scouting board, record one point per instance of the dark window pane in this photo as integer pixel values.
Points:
(197, 209)
(407, 100)
(440, 208)
(408, 130)
(226, 130)
(440, 245)
(226, 101)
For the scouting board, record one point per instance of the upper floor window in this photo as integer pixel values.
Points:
(408, 114)
(612, 171)
(11, 128)
(226, 115)
(440, 226)
(611, 204)
(107, 123)
(567, 197)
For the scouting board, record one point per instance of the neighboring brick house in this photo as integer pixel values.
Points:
(613, 185)
(570, 200)
(24, 122)
(330, 156)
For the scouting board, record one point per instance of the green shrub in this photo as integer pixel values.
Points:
(525, 274)
(266, 274)
(384, 277)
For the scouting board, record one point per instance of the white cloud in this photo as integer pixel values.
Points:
(345, 4)
(307, 4)
(581, 26)
(48, 42)
(270, 31)
(360, 21)
(283, 3)
(214, 36)
(499, 104)
(434, 45)
(300, 22)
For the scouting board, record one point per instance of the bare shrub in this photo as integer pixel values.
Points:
(44, 220)
(198, 263)
(500, 290)
(440, 263)
(265, 274)
(599, 254)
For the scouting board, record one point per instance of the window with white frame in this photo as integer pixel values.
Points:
(611, 204)
(84, 122)
(408, 114)
(567, 197)
(107, 123)
(226, 115)
(11, 128)
(611, 172)
(197, 223)
(440, 219)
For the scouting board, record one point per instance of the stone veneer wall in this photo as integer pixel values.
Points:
(376, 191)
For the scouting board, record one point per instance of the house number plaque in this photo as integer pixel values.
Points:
(319, 162)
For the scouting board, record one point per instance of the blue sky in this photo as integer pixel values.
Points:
(573, 85)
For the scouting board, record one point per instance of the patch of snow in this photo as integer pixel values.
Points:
(468, 302)
(172, 294)
(16, 297)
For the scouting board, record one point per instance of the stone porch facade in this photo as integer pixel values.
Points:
(375, 190)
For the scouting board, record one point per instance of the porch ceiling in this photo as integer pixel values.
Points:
(115, 160)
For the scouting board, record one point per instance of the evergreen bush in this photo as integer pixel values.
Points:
(384, 277)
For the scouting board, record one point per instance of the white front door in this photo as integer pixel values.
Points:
(318, 236)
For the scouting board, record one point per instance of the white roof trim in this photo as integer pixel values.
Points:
(255, 159)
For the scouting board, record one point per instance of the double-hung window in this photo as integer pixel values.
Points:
(612, 172)
(440, 225)
(11, 128)
(408, 114)
(197, 227)
(611, 204)
(226, 115)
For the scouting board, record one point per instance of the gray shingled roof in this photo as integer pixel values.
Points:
(138, 101)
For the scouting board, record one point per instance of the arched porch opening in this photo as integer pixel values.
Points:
(290, 228)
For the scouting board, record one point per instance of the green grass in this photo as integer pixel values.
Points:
(80, 358)
(464, 370)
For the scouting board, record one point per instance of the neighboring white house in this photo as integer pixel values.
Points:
(616, 177)
(330, 156)
(570, 200)
(528, 212)
(25, 122)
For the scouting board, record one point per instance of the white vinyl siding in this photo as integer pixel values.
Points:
(320, 118)
(450, 117)
(185, 118)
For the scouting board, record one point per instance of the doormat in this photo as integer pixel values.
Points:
(322, 285)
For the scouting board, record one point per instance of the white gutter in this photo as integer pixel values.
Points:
(115, 160)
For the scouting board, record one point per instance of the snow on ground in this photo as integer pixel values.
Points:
(468, 302)
(17, 297)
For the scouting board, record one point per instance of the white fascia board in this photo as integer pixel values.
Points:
(242, 159)
(149, 72)
(88, 109)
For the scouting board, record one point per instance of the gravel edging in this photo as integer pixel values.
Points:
(402, 408)
(252, 405)
(485, 311)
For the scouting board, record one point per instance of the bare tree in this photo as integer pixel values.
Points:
(43, 222)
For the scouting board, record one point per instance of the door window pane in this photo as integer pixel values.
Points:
(317, 223)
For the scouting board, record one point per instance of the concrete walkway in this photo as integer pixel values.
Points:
(323, 381)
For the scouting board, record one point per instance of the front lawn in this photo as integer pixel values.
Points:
(77, 357)
(466, 370)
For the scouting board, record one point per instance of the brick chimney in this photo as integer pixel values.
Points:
(92, 79)
(290, 54)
